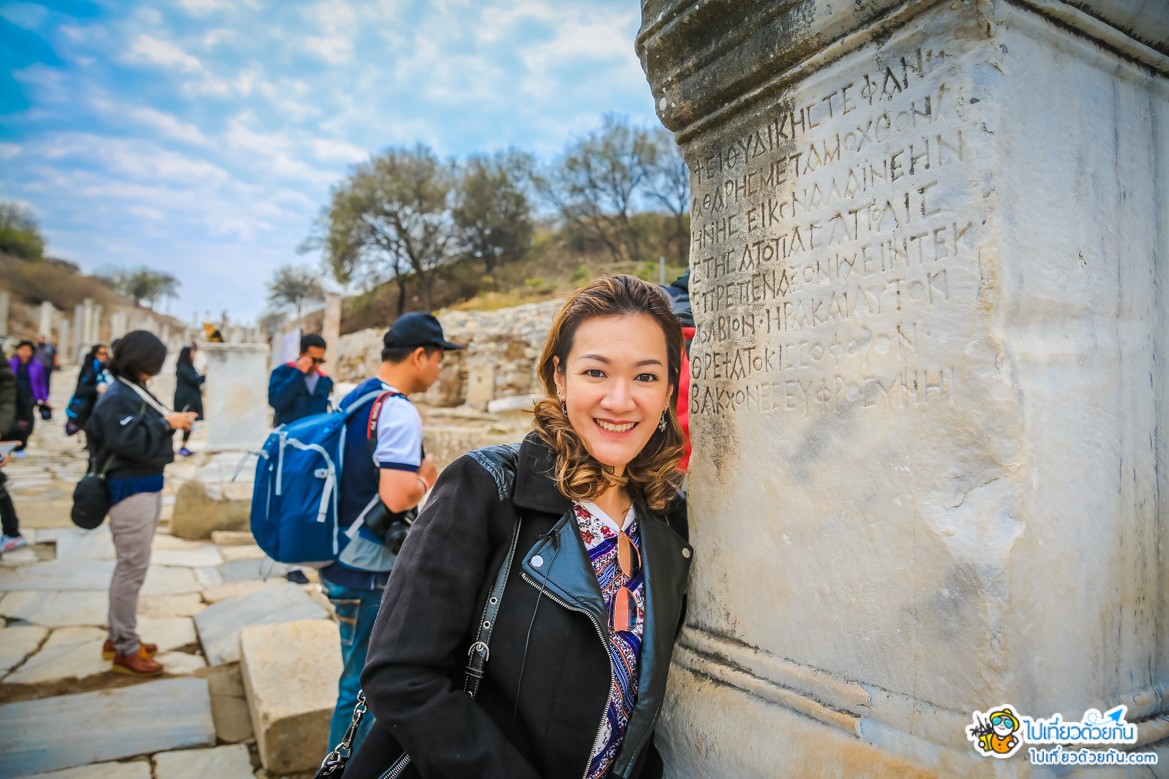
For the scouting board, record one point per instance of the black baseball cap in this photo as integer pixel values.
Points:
(416, 329)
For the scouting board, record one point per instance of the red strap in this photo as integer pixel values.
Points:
(376, 410)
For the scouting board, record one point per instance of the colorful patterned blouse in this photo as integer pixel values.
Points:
(599, 534)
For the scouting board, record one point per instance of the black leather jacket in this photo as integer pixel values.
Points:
(140, 437)
(542, 701)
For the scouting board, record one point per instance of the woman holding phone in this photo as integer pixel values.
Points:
(132, 433)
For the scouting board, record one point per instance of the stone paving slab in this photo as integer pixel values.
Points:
(133, 769)
(106, 725)
(56, 608)
(181, 663)
(69, 653)
(20, 556)
(226, 762)
(222, 592)
(18, 642)
(206, 555)
(93, 575)
(186, 604)
(263, 568)
(219, 625)
(78, 544)
(168, 632)
(233, 553)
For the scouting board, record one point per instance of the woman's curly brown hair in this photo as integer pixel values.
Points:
(653, 474)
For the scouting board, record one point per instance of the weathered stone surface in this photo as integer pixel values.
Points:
(231, 554)
(926, 375)
(204, 555)
(181, 663)
(232, 538)
(78, 544)
(199, 512)
(168, 632)
(229, 705)
(56, 608)
(221, 592)
(92, 575)
(227, 762)
(236, 402)
(107, 725)
(219, 625)
(130, 769)
(18, 642)
(251, 569)
(185, 605)
(290, 674)
(69, 653)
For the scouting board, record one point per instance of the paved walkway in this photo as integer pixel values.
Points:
(63, 712)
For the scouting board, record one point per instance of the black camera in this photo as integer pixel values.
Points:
(391, 526)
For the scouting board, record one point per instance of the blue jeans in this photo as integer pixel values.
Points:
(356, 610)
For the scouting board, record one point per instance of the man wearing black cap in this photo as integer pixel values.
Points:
(392, 467)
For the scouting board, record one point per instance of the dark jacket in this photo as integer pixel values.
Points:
(289, 395)
(7, 394)
(140, 438)
(85, 394)
(189, 388)
(552, 629)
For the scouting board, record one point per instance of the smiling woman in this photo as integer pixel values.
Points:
(582, 528)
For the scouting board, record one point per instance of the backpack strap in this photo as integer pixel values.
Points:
(374, 412)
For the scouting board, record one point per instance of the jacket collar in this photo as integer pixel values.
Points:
(535, 487)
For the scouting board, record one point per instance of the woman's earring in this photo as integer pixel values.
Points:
(662, 423)
(564, 407)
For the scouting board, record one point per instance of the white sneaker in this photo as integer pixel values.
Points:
(8, 543)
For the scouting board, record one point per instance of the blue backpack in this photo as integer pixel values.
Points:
(298, 478)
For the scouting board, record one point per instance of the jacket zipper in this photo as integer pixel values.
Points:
(604, 644)
(394, 771)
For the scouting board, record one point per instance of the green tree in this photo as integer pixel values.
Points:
(390, 214)
(294, 286)
(596, 185)
(142, 285)
(20, 234)
(492, 212)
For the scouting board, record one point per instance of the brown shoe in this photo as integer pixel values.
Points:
(107, 649)
(137, 664)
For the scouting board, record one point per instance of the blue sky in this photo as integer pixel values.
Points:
(201, 137)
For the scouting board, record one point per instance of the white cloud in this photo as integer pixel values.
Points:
(127, 157)
(168, 125)
(147, 48)
(334, 49)
(326, 149)
(153, 214)
(8, 151)
(25, 15)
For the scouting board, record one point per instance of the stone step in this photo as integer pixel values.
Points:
(219, 625)
(131, 769)
(290, 673)
(226, 762)
(77, 730)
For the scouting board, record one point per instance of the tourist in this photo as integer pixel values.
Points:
(188, 390)
(92, 379)
(131, 435)
(46, 355)
(393, 470)
(12, 539)
(300, 388)
(31, 391)
(568, 690)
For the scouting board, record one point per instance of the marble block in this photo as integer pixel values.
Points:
(57, 608)
(219, 624)
(290, 674)
(131, 769)
(226, 762)
(86, 574)
(107, 725)
(69, 653)
(18, 642)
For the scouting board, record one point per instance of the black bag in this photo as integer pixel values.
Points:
(333, 766)
(91, 498)
(46, 412)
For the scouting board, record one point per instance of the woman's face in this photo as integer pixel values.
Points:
(24, 353)
(614, 383)
(102, 355)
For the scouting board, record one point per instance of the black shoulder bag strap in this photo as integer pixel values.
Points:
(477, 655)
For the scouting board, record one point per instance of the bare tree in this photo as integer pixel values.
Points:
(294, 286)
(596, 184)
(492, 212)
(668, 185)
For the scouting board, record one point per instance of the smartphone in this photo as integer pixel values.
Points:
(7, 448)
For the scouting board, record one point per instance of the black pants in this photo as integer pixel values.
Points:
(7, 510)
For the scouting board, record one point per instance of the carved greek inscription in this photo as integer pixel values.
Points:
(826, 236)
